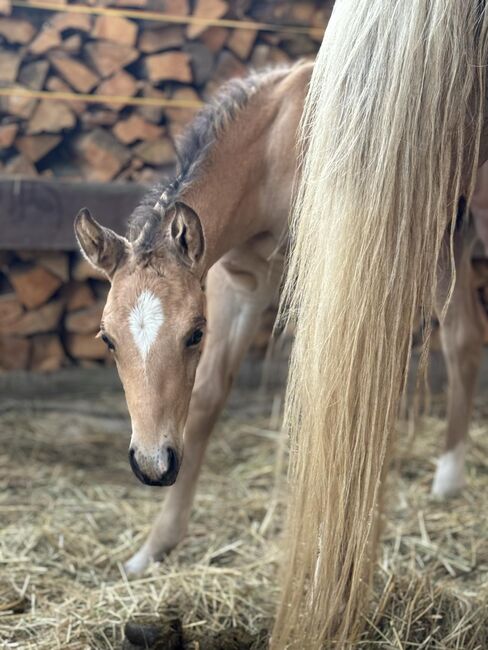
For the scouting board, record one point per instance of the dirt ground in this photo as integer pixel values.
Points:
(71, 513)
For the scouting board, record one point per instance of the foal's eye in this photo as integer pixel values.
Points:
(195, 338)
(108, 342)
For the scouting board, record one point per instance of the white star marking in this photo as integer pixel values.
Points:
(145, 321)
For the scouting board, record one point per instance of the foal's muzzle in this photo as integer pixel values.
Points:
(171, 461)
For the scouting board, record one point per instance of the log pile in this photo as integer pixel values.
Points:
(114, 55)
(50, 310)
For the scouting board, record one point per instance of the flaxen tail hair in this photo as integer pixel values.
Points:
(391, 136)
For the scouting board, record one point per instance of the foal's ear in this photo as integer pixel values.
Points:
(103, 248)
(186, 233)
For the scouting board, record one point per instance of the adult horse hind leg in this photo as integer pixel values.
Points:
(234, 318)
(462, 340)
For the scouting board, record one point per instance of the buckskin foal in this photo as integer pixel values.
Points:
(202, 260)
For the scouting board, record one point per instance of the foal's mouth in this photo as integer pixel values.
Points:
(168, 478)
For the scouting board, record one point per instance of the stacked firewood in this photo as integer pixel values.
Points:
(50, 311)
(128, 57)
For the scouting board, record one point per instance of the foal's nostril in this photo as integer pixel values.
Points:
(172, 461)
(133, 462)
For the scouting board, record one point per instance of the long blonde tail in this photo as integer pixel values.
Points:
(391, 137)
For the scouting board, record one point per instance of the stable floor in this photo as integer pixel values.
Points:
(71, 513)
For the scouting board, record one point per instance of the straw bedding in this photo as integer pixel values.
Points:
(71, 513)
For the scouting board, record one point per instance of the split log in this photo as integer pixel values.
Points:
(122, 84)
(76, 74)
(136, 128)
(5, 7)
(86, 346)
(107, 57)
(153, 114)
(46, 40)
(16, 30)
(9, 66)
(14, 353)
(35, 147)
(102, 154)
(161, 38)
(174, 66)
(51, 117)
(33, 284)
(58, 85)
(78, 296)
(206, 9)
(72, 44)
(176, 7)
(47, 353)
(64, 21)
(20, 166)
(83, 270)
(215, 38)
(85, 321)
(241, 42)
(17, 106)
(56, 263)
(157, 152)
(115, 28)
(100, 117)
(35, 321)
(7, 134)
(10, 308)
(33, 75)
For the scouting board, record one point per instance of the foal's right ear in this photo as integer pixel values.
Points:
(102, 247)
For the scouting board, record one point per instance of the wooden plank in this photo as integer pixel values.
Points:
(38, 214)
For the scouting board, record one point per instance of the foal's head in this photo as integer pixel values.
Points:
(153, 324)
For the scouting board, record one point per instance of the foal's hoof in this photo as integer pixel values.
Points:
(449, 476)
(138, 563)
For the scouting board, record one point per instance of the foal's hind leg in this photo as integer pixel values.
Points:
(462, 340)
(234, 317)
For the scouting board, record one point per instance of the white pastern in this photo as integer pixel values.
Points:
(145, 321)
(138, 563)
(449, 476)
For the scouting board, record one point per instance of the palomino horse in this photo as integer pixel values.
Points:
(393, 133)
(157, 280)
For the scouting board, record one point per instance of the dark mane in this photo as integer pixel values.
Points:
(192, 151)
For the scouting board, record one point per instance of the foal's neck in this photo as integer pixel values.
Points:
(228, 193)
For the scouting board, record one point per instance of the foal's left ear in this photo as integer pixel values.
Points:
(186, 232)
(102, 247)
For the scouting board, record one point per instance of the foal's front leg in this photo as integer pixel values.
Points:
(462, 333)
(233, 322)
